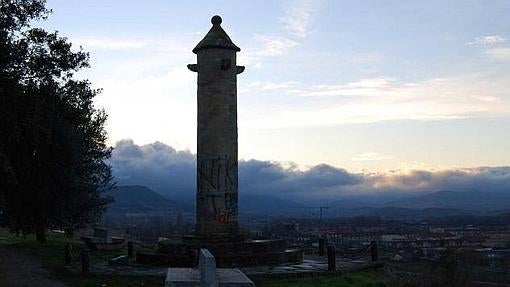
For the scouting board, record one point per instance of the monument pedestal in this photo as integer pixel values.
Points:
(227, 253)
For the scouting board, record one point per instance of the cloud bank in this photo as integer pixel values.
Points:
(385, 99)
(172, 172)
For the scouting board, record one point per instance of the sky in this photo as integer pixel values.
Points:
(366, 86)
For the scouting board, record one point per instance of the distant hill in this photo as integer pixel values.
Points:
(416, 214)
(434, 204)
(392, 206)
(136, 198)
(402, 213)
(468, 200)
(267, 204)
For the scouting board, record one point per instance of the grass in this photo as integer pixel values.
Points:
(346, 280)
(51, 255)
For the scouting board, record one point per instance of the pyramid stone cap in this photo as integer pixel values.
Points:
(216, 38)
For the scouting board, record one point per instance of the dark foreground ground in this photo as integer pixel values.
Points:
(20, 268)
(24, 262)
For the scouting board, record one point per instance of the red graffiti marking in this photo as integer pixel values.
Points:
(223, 218)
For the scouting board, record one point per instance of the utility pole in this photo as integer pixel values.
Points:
(321, 209)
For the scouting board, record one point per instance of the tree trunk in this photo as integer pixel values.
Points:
(40, 234)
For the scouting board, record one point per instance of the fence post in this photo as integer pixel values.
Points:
(374, 251)
(67, 255)
(322, 246)
(85, 262)
(331, 258)
(130, 249)
(69, 232)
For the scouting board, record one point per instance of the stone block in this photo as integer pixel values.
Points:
(206, 275)
(182, 277)
(207, 268)
(233, 277)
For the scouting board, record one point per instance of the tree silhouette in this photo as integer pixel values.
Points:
(52, 139)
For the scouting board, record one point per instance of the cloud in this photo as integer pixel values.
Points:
(157, 166)
(268, 86)
(362, 87)
(172, 172)
(371, 156)
(273, 178)
(487, 40)
(489, 179)
(502, 53)
(263, 47)
(298, 17)
(384, 99)
(273, 45)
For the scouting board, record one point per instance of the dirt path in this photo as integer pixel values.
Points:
(20, 269)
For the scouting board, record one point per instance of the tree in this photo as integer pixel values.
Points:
(52, 139)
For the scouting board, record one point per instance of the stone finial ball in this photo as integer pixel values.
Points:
(216, 20)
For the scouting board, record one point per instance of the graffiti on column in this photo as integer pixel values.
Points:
(217, 181)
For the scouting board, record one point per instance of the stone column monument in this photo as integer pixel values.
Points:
(217, 228)
(217, 185)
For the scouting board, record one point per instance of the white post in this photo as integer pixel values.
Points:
(207, 268)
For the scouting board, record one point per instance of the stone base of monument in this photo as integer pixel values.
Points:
(228, 253)
(206, 275)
